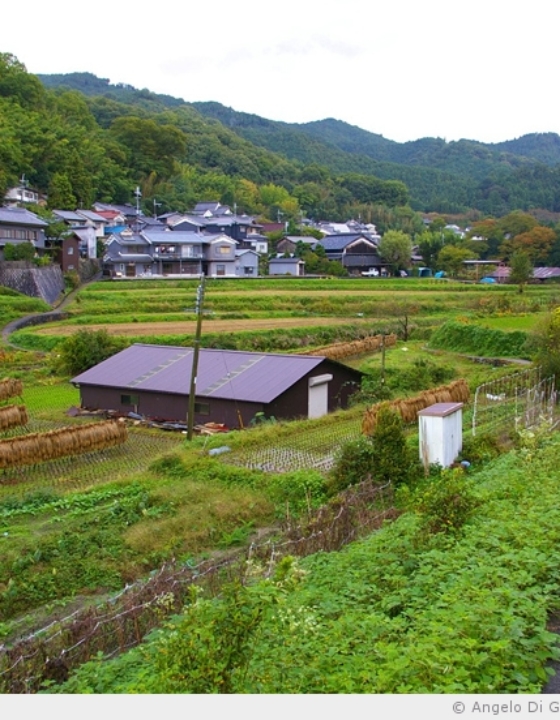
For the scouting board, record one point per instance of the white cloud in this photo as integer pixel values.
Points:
(481, 70)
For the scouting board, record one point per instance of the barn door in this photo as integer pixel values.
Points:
(318, 404)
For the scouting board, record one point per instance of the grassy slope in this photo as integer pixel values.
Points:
(400, 612)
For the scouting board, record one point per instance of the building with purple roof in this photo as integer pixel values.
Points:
(232, 386)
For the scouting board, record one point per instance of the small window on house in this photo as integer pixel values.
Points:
(220, 269)
(70, 250)
(224, 250)
(131, 400)
(202, 408)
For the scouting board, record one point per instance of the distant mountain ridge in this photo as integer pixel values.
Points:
(440, 175)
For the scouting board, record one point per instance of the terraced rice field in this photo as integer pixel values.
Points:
(188, 327)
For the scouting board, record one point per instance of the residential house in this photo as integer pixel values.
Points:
(255, 241)
(289, 243)
(130, 213)
(128, 254)
(168, 252)
(238, 227)
(232, 388)
(99, 222)
(357, 252)
(18, 226)
(246, 263)
(211, 208)
(67, 252)
(23, 194)
(115, 221)
(186, 223)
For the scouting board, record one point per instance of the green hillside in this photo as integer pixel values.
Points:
(104, 137)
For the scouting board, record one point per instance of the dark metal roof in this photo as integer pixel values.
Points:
(225, 374)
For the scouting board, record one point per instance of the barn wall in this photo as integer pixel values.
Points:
(169, 407)
(294, 402)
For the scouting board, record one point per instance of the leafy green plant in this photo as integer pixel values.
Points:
(393, 459)
(445, 501)
(479, 449)
(354, 462)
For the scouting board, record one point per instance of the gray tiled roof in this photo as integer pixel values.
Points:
(341, 241)
(69, 216)
(176, 237)
(91, 215)
(225, 374)
(20, 216)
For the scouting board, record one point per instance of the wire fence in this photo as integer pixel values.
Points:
(122, 622)
(521, 400)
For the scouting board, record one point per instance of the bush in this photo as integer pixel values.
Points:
(480, 448)
(353, 463)
(393, 460)
(384, 455)
(446, 502)
(86, 348)
(22, 251)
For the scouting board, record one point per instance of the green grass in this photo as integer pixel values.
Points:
(510, 323)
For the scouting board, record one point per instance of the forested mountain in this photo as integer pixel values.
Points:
(83, 138)
(440, 175)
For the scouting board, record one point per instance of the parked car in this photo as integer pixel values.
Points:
(372, 272)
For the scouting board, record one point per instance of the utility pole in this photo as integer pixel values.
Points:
(138, 194)
(196, 352)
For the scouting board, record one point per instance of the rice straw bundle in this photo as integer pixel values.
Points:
(13, 416)
(10, 387)
(41, 447)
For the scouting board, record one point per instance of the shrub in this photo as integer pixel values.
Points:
(446, 501)
(353, 463)
(392, 458)
(384, 455)
(85, 349)
(480, 448)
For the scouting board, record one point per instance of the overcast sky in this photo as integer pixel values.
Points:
(483, 70)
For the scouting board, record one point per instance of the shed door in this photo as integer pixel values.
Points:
(318, 404)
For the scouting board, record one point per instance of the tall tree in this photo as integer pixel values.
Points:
(61, 196)
(452, 257)
(521, 269)
(395, 247)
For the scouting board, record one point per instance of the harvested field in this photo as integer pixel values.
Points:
(189, 327)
